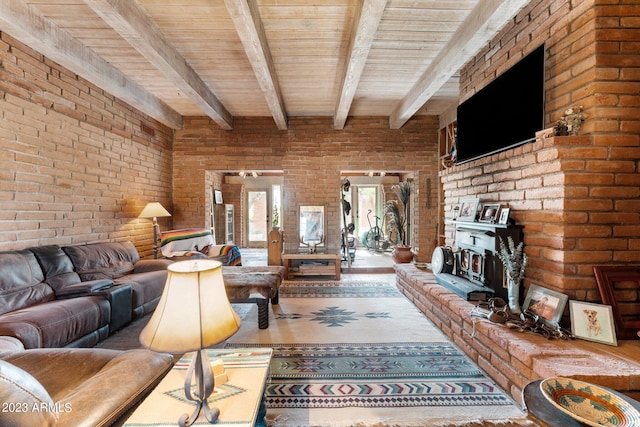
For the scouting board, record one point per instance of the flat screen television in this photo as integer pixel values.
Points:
(505, 113)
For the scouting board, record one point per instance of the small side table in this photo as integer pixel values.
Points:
(241, 399)
(543, 411)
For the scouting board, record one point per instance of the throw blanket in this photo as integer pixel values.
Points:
(194, 242)
(232, 252)
(176, 242)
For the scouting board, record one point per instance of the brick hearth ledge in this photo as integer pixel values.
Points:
(511, 358)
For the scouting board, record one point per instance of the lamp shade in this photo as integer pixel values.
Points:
(153, 210)
(194, 311)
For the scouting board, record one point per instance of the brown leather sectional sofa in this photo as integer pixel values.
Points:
(53, 299)
(74, 296)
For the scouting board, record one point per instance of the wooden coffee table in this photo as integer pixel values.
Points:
(241, 399)
(312, 265)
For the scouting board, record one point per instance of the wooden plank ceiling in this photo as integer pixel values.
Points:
(277, 58)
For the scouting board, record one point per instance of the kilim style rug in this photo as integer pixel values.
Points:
(359, 353)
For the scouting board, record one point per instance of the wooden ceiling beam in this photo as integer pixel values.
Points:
(133, 24)
(246, 18)
(365, 25)
(482, 24)
(25, 24)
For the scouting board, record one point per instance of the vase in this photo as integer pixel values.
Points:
(402, 255)
(513, 295)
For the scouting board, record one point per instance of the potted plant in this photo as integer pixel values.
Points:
(515, 264)
(397, 212)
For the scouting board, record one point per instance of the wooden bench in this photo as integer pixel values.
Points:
(244, 282)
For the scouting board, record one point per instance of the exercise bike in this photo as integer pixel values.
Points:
(375, 239)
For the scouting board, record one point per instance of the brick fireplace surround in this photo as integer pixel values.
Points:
(511, 358)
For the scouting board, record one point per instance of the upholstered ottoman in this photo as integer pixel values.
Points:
(244, 282)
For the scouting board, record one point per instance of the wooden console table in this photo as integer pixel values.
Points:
(316, 265)
(241, 399)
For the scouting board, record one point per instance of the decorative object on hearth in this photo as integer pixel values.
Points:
(193, 313)
(570, 123)
(515, 263)
(497, 310)
(400, 220)
(589, 403)
(547, 304)
(619, 285)
(442, 260)
(154, 210)
(592, 322)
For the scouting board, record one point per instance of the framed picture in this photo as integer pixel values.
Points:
(217, 196)
(312, 225)
(468, 209)
(489, 213)
(592, 322)
(547, 304)
(621, 281)
(504, 216)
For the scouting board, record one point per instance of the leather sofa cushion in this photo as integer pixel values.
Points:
(109, 260)
(56, 266)
(27, 402)
(146, 290)
(146, 265)
(57, 323)
(21, 281)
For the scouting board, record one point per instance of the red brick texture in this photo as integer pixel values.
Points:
(512, 358)
(312, 155)
(77, 165)
(577, 197)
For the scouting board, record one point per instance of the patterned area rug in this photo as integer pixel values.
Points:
(357, 353)
(329, 289)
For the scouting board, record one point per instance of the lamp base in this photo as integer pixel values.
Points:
(156, 238)
(204, 385)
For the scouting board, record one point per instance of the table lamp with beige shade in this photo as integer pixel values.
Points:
(193, 313)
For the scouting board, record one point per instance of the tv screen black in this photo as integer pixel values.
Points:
(505, 113)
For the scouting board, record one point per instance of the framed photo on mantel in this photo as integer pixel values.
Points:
(468, 209)
(504, 216)
(490, 212)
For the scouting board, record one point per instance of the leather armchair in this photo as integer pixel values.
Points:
(77, 387)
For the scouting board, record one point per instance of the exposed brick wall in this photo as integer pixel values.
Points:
(75, 164)
(312, 154)
(577, 197)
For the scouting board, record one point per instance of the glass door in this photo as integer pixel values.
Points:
(257, 218)
(367, 207)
